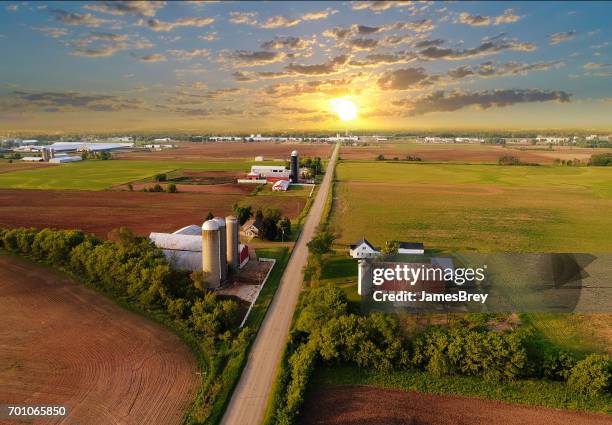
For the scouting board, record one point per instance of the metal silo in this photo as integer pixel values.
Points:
(210, 253)
(222, 247)
(231, 226)
(295, 166)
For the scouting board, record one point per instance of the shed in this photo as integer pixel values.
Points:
(411, 248)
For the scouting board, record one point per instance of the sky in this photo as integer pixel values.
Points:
(282, 66)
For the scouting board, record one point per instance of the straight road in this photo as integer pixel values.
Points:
(248, 403)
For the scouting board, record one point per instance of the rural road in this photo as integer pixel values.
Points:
(248, 403)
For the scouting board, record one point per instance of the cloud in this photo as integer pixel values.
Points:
(596, 69)
(12, 7)
(329, 87)
(120, 8)
(440, 101)
(104, 44)
(492, 69)
(243, 77)
(70, 101)
(377, 59)
(294, 43)
(507, 17)
(70, 18)
(560, 37)
(98, 52)
(51, 31)
(211, 36)
(355, 30)
(358, 44)
(322, 14)
(161, 26)
(330, 67)
(252, 58)
(152, 58)
(248, 18)
(279, 22)
(484, 49)
(189, 54)
(379, 6)
(407, 78)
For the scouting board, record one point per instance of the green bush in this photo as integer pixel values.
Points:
(557, 365)
(591, 376)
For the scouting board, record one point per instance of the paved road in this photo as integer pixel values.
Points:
(250, 397)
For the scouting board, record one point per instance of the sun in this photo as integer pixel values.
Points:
(346, 110)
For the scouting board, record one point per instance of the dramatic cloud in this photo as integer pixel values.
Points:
(492, 69)
(380, 5)
(250, 58)
(161, 26)
(507, 17)
(403, 79)
(377, 59)
(560, 37)
(293, 43)
(70, 18)
(120, 8)
(439, 101)
(330, 67)
(484, 49)
(278, 21)
(70, 101)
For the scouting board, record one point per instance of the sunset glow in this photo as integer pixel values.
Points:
(346, 110)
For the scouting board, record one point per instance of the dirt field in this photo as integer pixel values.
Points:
(362, 405)
(17, 165)
(64, 344)
(187, 151)
(100, 212)
(228, 188)
(465, 153)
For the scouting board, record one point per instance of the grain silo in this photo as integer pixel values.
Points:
(210, 253)
(364, 280)
(295, 166)
(222, 247)
(231, 226)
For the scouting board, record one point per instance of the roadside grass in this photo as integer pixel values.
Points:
(99, 175)
(523, 391)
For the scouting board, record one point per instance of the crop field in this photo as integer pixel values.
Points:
(100, 212)
(188, 151)
(65, 345)
(16, 165)
(99, 175)
(465, 153)
(476, 207)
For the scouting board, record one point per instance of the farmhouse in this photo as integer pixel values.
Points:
(411, 248)
(363, 249)
(251, 229)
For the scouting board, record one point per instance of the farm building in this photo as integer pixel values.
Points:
(280, 186)
(363, 249)
(64, 159)
(269, 171)
(211, 248)
(251, 229)
(411, 248)
(32, 158)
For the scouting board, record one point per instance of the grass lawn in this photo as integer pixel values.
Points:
(99, 175)
(523, 391)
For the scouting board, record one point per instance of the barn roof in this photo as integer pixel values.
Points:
(177, 242)
(192, 229)
(411, 245)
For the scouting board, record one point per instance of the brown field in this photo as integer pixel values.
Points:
(100, 212)
(64, 344)
(362, 405)
(228, 188)
(17, 165)
(188, 151)
(465, 153)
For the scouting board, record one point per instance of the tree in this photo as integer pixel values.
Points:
(380, 157)
(243, 213)
(210, 216)
(321, 243)
(284, 226)
(259, 216)
(171, 188)
(270, 220)
(390, 249)
(162, 177)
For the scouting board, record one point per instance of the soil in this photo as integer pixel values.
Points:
(363, 405)
(101, 211)
(63, 344)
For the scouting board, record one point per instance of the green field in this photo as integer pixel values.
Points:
(476, 207)
(99, 175)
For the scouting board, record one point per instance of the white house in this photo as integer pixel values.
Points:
(363, 249)
(411, 248)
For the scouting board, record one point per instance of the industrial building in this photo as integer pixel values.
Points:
(213, 248)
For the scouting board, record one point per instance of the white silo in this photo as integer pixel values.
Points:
(210, 253)
(231, 226)
(222, 247)
(364, 280)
